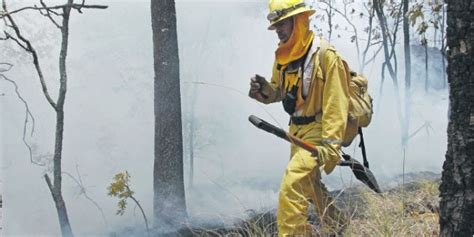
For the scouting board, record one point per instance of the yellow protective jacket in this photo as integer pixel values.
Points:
(327, 99)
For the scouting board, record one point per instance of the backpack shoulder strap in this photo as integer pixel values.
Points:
(324, 46)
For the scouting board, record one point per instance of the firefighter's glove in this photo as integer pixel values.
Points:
(257, 83)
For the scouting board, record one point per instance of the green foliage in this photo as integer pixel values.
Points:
(422, 27)
(426, 17)
(120, 188)
(415, 13)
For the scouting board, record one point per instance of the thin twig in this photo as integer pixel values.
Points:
(376, 43)
(374, 56)
(79, 183)
(394, 39)
(28, 114)
(141, 209)
(47, 14)
(369, 38)
(354, 28)
(8, 36)
(425, 125)
(9, 66)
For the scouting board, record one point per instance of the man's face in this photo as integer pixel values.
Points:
(284, 28)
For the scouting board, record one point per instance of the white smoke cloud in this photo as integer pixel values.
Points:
(109, 118)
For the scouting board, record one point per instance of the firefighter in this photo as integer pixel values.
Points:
(315, 95)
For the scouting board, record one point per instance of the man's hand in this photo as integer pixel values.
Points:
(256, 85)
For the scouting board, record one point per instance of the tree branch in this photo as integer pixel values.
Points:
(394, 39)
(28, 114)
(75, 6)
(82, 4)
(47, 14)
(50, 185)
(79, 183)
(354, 28)
(369, 38)
(9, 66)
(386, 38)
(29, 48)
(425, 125)
(141, 209)
(374, 56)
(376, 43)
(8, 36)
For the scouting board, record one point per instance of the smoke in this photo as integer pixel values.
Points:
(109, 117)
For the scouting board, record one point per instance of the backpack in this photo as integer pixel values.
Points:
(360, 102)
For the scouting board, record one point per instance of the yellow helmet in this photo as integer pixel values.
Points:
(282, 9)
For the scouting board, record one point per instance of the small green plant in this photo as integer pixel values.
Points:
(120, 187)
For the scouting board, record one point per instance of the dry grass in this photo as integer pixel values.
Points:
(412, 211)
(257, 224)
(408, 211)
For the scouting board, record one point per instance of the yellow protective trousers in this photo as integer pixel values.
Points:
(302, 184)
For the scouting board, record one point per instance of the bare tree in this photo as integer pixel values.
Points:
(389, 41)
(372, 33)
(373, 38)
(52, 13)
(329, 14)
(457, 183)
(195, 144)
(169, 204)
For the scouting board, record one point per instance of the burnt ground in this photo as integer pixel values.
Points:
(418, 196)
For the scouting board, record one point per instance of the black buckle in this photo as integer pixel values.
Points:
(302, 120)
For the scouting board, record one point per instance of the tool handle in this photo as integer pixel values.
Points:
(264, 125)
(362, 147)
(303, 144)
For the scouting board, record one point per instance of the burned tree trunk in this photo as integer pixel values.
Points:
(457, 187)
(169, 204)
